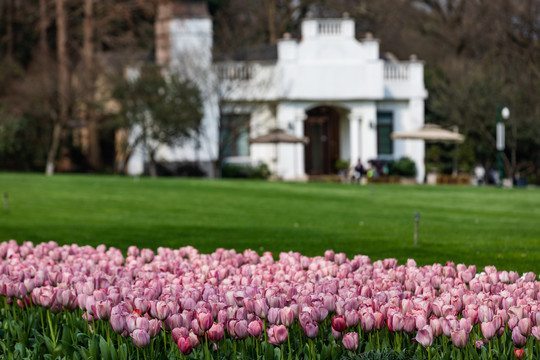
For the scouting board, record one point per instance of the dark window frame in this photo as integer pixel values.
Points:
(389, 128)
(232, 127)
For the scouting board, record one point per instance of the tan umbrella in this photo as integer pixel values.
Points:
(431, 133)
(277, 136)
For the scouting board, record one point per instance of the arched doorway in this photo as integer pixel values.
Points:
(322, 152)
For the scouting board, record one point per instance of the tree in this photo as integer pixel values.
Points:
(159, 108)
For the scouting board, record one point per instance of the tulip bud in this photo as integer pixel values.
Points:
(535, 331)
(216, 332)
(368, 322)
(352, 318)
(118, 323)
(286, 316)
(350, 341)
(518, 339)
(184, 345)
(179, 332)
(338, 323)
(241, 329)
(154, 326)
(255, 328)
(488, 330)
(459, 338)
(311, 329)
(525, 326)
(140, 338)
(424, 336)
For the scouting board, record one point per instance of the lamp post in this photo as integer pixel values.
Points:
(505, 114)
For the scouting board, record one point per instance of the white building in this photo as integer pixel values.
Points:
(328, 86)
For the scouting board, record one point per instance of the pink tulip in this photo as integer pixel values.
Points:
(255, 328)
(194, 340)
(337, 334)
(241, 329)
(352, 318)
(488, 330)
(338, 323)
(286, 316)
(141, 304)
(184, 345)
(179, 332)
(216, 332)
(436, 326)
(424, 336)
(102, 309)
(518, 339)
(379, 320)
(140, 338)
(118, 323)
(277, 334)
(205, 320)
(350, 341)
(173, 321)
(459, 338)
(273, 316)
(162, 310)
(311, 330)
(513, 322)
(409, 324)
(524, 326)
(368, 322)
(535, 331)
(154, 326)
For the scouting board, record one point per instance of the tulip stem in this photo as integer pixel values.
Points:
(489, 346)
(53, 329)
(257, 349)
(289, 344)
(165, 341)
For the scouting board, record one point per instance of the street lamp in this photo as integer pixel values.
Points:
(505, 113)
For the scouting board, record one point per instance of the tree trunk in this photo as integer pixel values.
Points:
(53, 150)
(43, 48)
(94, 156)
(9, 28)
(152, 169)
(63, 85)
(272, 21)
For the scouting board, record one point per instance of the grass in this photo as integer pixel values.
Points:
(482, 226)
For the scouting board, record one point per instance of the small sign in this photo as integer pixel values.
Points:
(500, 136)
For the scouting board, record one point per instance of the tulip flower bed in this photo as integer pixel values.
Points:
(79, 302)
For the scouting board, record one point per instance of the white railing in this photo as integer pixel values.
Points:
(398, 72)
(234, 71)
(329, 28)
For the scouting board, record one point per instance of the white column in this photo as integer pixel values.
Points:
(354, 138)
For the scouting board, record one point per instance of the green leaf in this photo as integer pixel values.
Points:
(269, 352)
(277, 353)
(104, 349)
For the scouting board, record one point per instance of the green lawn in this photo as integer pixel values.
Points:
(464, 224)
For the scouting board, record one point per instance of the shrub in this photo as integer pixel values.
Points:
(245, 171)
(402, 167)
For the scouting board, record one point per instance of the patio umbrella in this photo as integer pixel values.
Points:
(278, 136)
(433, 133)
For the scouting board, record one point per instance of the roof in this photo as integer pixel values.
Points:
(254, 53)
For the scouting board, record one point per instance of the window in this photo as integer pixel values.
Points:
(384, 129)
(234, 135)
